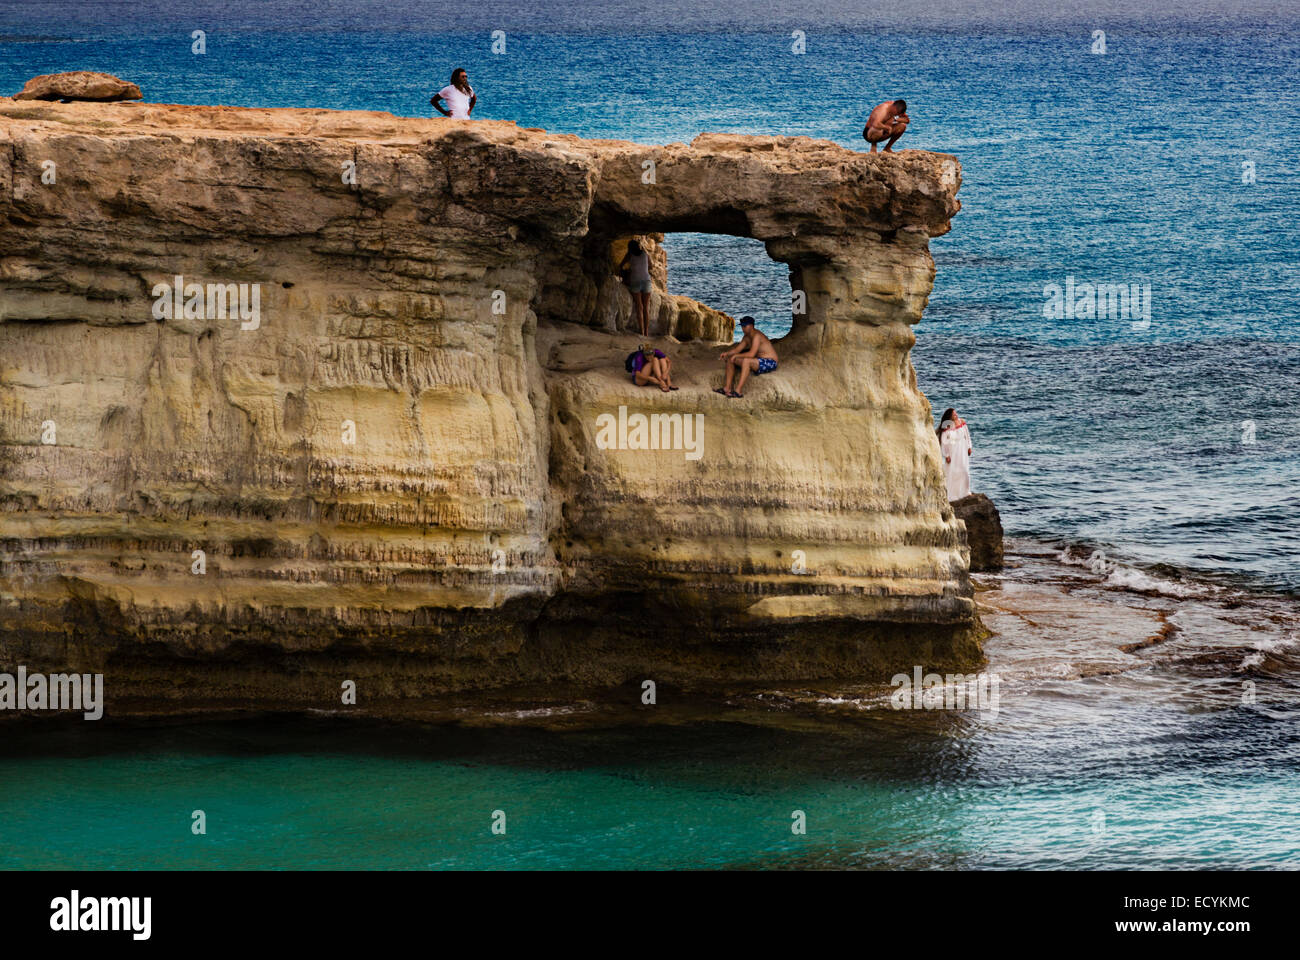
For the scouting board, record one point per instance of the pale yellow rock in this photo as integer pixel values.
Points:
(393, 475)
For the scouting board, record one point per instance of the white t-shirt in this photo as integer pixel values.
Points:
(456, 101)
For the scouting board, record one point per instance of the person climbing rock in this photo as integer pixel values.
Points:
(637, 264)
(754, 354)
(650, 367)
(458, 96)
(887, 122)
(954, 441)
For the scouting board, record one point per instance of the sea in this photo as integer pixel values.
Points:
(1146, 464)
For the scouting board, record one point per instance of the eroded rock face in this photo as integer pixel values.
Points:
(78, 85)
(390, 468)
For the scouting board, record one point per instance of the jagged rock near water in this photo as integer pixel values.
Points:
(78, 85)
(983, 531)
(405, 462)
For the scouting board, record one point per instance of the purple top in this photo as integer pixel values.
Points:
(639, 360)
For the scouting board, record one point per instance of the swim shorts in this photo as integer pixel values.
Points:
(639, 286)
(766, 365)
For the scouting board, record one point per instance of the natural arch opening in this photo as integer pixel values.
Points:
(701, 284)
(732, 274)
(707, 269)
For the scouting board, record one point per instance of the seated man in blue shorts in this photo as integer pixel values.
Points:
(754, 354)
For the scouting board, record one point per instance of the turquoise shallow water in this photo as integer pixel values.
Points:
(886, 795)
(1094, 758)
(1094, 434)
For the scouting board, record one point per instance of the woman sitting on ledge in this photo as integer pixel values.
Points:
(650, 367)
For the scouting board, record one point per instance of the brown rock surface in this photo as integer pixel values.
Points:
(983, 531)
(396, 475)
(78, 85)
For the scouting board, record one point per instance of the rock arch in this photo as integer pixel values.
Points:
(834, 456)
(444, 302)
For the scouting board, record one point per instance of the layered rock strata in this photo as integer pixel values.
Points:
(295, 397)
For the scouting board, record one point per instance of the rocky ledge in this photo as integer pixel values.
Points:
(409, 458)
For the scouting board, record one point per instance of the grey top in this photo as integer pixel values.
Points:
(640, 267)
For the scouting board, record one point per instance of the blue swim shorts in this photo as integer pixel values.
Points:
(766, 365)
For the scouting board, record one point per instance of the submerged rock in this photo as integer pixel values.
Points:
(300, 397)
(983, 531)
(78, 85)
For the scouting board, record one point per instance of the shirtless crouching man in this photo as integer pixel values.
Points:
(887, 122)
(754, 354)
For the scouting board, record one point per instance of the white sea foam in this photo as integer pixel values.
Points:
(858, 703)
(1277, 644)
(535, 712)
(1126, 578)
(1095, 561)
(1116, 576)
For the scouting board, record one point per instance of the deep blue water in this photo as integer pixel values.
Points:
(1172, 443)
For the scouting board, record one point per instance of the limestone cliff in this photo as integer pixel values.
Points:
(389, 467)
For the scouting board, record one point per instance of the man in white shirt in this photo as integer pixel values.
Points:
(458, 97)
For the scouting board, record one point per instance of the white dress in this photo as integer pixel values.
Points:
(956, 460)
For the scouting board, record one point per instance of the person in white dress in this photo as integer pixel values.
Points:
(456, 99)
(954, 441)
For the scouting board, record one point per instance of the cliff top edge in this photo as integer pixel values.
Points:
(201, 120)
